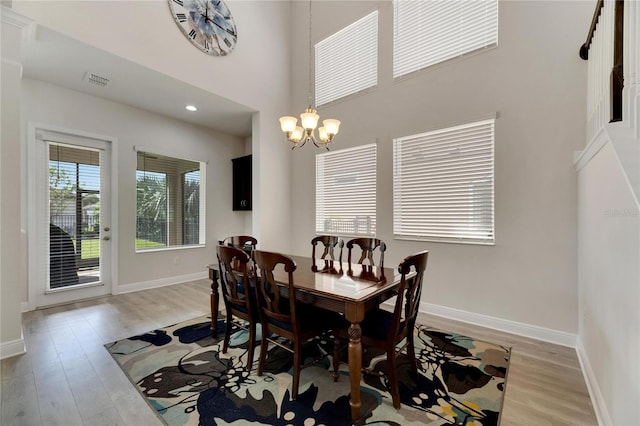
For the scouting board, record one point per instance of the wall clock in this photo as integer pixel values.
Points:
(207, 24)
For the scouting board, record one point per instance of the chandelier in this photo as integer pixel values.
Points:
(309, 118)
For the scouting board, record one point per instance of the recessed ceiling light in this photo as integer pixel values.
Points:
(191, 108)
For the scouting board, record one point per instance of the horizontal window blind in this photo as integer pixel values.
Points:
(346, 191)
(170, 202)
(431, 31)
(347, 61)
(75, 183)
(443, 184)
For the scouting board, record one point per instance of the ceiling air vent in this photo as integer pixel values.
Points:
(95, 79)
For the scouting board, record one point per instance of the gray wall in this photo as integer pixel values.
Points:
(53, 105)
(12, 244)
(536, 83)
(255, 75)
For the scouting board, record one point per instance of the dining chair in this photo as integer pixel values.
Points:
(238, 295)
(367, 247)
(282, 315)
(331, 244)
(387, 330)
(245, 242)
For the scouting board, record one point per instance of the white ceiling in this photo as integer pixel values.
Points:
(57, 59)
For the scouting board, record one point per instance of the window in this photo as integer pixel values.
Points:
(346, 191)
(429, 32)
(170, 202)
(347, 61)
(191, 207)
(443, 185)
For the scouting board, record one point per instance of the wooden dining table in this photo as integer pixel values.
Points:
(351, 289)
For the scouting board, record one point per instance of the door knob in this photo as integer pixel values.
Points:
(107, 238)
(106, 229)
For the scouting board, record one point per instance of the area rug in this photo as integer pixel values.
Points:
(182, 373)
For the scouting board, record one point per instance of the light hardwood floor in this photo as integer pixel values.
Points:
(68, 378)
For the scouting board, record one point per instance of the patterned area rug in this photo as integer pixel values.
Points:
(184, 376)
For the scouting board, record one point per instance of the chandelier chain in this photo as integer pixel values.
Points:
(310, 58)
(300, 135)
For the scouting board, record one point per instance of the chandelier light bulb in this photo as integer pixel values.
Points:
(296, 136)
(322, 134)
(288, 123)
(309, 119)
(332, 126)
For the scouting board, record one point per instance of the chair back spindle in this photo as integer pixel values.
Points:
(331, 244)
(409, 293)
(237, 293)
(367, 246)
(279, 311)
(244, 242)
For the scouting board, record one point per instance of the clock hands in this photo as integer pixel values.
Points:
(215, 14)
(206, 18)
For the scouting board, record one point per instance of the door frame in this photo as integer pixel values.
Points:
(33, 130)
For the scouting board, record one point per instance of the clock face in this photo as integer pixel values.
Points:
(207, 24)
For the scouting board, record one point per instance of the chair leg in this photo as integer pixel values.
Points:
(297, 358)
(227, 334)
(336, 355)
(252, 339)
(411, 353)
(263, 350)
(393, 377)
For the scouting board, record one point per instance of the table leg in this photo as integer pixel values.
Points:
(355, 369)
(213, 274)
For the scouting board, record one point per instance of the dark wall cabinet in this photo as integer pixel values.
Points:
(242, 183)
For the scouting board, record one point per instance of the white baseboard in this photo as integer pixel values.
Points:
(13, 348)
(597, 400)
(539, 333)
(145, 285)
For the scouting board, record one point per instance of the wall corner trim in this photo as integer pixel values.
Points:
(12, 348)
(10, 16)
(145, 285)
(521, 329)
(597, 400)
(593, 147)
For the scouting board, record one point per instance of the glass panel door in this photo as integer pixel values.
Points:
(74, 216)
(72, 210)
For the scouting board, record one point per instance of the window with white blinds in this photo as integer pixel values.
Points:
(170, 202)
(431, 31)
(443, 185)
(346, 191)
(347, 61)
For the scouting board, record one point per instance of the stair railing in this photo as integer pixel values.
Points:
(604, 51)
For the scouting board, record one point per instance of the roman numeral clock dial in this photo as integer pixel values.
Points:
(207, 24)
